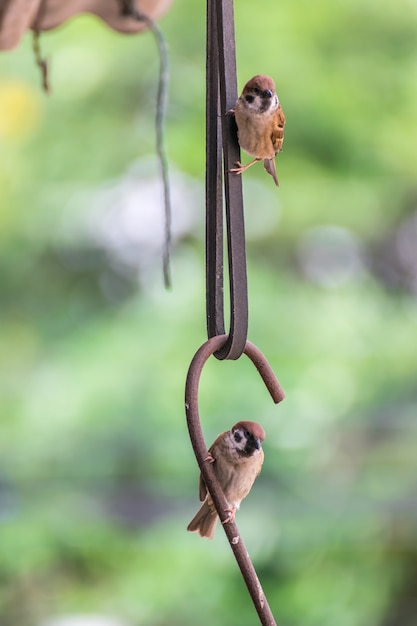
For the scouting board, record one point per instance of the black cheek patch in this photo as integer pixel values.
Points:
(265, 104)
(249, 99)
(252, 444)
(238, 437)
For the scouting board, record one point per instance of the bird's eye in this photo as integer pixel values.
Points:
(238, 437)
(247, 434)
(256, 90)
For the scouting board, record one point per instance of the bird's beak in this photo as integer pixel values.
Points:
(258, 444)
(268, 93)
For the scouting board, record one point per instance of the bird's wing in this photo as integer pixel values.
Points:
(277, 135)
(202, 489)
(261, 460)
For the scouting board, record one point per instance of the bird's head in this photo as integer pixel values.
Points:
(247, 437)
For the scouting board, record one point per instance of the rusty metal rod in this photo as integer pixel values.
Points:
(200, 450)
(214, 183)
(221, 139)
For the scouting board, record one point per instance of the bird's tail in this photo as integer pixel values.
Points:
(204, 522)
(269, 165)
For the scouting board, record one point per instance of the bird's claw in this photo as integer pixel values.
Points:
(230, 517)
(237, 170)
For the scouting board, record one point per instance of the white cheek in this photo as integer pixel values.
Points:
(274, 104)
(257, 103)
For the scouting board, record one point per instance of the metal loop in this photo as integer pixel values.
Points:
(200, 450)
(221, 139)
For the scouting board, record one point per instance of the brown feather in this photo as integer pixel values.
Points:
(269, 165)
(260, 125)
(277, 135)
(204, 522)
(236, 469)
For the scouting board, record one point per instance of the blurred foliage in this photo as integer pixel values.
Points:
(97, 477)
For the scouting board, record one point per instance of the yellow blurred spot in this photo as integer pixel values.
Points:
(20, 110)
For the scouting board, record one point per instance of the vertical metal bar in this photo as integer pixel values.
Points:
(233, 185)
(214, 191)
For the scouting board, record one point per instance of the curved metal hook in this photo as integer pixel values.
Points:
(200, 450)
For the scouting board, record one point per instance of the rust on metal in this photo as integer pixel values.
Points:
(222, 152)
(237, 545)
(221, 141)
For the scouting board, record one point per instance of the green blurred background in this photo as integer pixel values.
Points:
(97, 477)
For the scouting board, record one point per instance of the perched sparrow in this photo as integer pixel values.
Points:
(260, 121)
(237, 459)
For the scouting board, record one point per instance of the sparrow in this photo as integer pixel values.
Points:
(237, 459)
(260, 122)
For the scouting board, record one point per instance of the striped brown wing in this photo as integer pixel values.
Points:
(277, 135)
(202, 489)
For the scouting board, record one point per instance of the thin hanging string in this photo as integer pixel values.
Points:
(161, 102)
(40, 61)
(130, 10)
